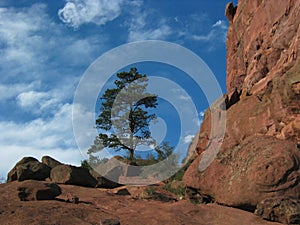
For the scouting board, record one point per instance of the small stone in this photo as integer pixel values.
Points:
(110, 222)
(123, 192)
(72, 198)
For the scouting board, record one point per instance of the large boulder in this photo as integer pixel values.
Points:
(47, 160)
(28, 168)
(31, 190)
(260, 167)
(67, 174)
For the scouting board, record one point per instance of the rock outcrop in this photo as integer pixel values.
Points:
(258, 157)
(28, 168)
(67, 174)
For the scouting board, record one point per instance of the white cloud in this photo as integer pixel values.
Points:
(143, 28)
(78, 12)
(217, 33)
(25, 39)
(221, 24)
(17, 29)
(188, 139)
(10, 91)
(40, 133)
(31, 98)
(201, 114)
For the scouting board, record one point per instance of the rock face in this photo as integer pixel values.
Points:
(31, 190)
(28, 168)
(258, 157)
(262, 43)
(67, 174)
(47, 160)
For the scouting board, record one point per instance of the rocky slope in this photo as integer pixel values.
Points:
(258, 162)
(111, 207)
(50, 192)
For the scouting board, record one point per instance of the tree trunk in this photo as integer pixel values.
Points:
(131, 135)
(131, 157)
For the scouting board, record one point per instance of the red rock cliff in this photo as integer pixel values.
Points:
(262, 43)
(259, 158)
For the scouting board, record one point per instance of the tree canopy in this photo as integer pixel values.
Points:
(124, 114)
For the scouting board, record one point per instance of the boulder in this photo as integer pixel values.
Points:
(28, 168)
(112, 169)
(67, 174)
(50, 162)
(258, 168)
(103, 182)
(284, 210)
(31, 190)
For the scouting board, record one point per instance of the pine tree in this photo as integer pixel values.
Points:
(124, 114)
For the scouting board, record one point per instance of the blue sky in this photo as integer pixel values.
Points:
(46, 46)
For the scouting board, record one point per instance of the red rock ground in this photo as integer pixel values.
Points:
(98, 204)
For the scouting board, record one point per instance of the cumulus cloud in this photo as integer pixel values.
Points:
(38, 102)
(10, 91)
(78, 12)
(40, 133)
(17, 30)
(25, 38)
